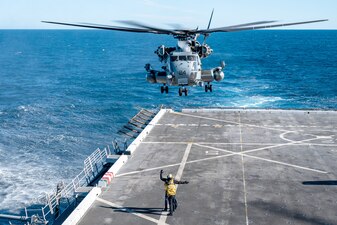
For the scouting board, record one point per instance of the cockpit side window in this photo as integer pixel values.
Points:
(191, 58)
(174, 58)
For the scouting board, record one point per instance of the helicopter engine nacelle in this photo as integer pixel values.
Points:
(151, 78)
(155, 76)
(218, 74)
(205, 51)
(160, 51)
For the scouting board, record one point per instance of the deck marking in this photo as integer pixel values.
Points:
(146, 170)
(212, 152)
(285, 164)
(227, 121)
(231, 153)
(286, 139)
(243, 173)
(263, 148)
(211, 158)
(234, 143)
(244, 153)
(183, 161)
(233, 122)
(128, 210)
(163, 217)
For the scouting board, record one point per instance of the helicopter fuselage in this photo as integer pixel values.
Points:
(183, 66)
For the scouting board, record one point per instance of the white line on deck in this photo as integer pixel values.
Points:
(263, 148)
(128, 210)
(286, 139)
(183, 161)
(244, 153)
(237, 143)
(252, 150)
(227, 121)
(285, 164)
(146, 170)
(243, 173)
(162, 219)
(231, 153)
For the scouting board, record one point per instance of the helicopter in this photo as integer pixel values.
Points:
(182, 63)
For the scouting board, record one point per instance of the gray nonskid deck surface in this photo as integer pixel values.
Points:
(244, 167)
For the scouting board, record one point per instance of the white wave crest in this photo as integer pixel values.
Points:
(256, 101)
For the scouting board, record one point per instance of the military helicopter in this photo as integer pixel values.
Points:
(182, 64)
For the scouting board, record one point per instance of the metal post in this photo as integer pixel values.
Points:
(44, 216)
(108, 152)
(58, 197)
(92, 168)
(78, 181)
(74, 185)
(102, 157)
(87, 179)
(97, 171)
(125, 144)
(50, 205)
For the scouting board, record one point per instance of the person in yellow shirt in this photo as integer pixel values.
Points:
(170, 191)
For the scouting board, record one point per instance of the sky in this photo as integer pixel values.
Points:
(24, 14)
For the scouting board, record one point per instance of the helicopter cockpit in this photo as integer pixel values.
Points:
(184, 66)
(183, 58)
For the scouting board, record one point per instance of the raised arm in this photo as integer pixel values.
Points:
(161, 176)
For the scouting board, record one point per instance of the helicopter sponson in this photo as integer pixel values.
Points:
(194, 77)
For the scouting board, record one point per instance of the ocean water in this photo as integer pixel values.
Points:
(63, 93)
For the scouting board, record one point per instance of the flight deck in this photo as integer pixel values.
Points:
(243, 167)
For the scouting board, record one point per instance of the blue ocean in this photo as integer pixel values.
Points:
(64, 93)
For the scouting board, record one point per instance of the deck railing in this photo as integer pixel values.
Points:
(65, 196)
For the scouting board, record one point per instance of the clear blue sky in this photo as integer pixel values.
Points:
(27, 14)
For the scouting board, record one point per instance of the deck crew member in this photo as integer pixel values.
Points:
(170, 191)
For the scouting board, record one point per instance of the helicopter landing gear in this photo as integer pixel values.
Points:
(183, 89)
(208, 87)
(164, 89)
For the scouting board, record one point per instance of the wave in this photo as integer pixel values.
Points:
(257, 102)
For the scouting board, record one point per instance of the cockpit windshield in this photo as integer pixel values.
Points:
(183, 58)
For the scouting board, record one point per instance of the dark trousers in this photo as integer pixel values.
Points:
(173, 203)
(166, 202)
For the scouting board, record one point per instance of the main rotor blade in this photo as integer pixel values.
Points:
(277, 25)
(105, 27)
(251, 24)
(141, 25)
(209, 24)
(229, 29)
(210, 20)
(238, 25)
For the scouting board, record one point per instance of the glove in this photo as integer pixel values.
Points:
(161, 171)
(186, 182)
